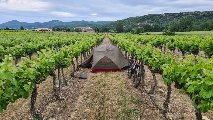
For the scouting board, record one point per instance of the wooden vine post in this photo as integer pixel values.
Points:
(32, 103)
(73, 69)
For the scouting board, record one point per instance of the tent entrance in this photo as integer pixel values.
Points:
(105, 65)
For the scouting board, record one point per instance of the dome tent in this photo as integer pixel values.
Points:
(105, 58)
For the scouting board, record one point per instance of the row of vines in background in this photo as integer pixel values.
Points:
(192, 73)
(20, 80)
(186, 44)
(20, 44)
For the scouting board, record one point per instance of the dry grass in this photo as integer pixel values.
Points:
(108, 96)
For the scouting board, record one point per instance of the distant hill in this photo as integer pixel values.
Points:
(184, 21)
(14, 24)
(178, 22)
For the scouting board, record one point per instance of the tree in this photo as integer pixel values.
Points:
(104, 28)
(78, 30)
(168, 32)
(120, 27)
(58, 29)
(207, 26)
(157, 28)
(186, 24)
(97, 29)
(128, 28)
(174, 27)
(147, 28)
(139, 30)
(68, 29)
(21, 28)
(183, 25)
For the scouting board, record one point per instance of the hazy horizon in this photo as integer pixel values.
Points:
(93, 10)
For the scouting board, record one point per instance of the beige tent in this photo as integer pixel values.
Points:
(107, 57)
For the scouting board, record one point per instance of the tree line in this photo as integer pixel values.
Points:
(175, 22)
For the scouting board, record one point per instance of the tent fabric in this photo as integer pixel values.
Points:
(105, 70)
(105, 63)
(106, 57)
(87, 63)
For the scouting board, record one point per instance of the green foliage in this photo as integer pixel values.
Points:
(184, 21)
(207, 46)
(20, 44)
(21, 28)
(77, 30)
(194, 73)
(182, 25)
(139, 30)
(120, 27)
(18, 81)
(196, 78)
(168, 32)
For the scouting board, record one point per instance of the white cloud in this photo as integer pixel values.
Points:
(94, 9)
(100, 18)
(23, 5)
(94, 14)
(193, 2)
(62, 14)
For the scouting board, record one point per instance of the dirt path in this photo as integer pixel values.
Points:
(104, 96)
(106, 40)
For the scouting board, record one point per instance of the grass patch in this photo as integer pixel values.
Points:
(135, 99)
(184, 33)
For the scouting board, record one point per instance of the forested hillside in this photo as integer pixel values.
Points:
(179, 22)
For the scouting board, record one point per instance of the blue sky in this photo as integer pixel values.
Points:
(93, 10)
